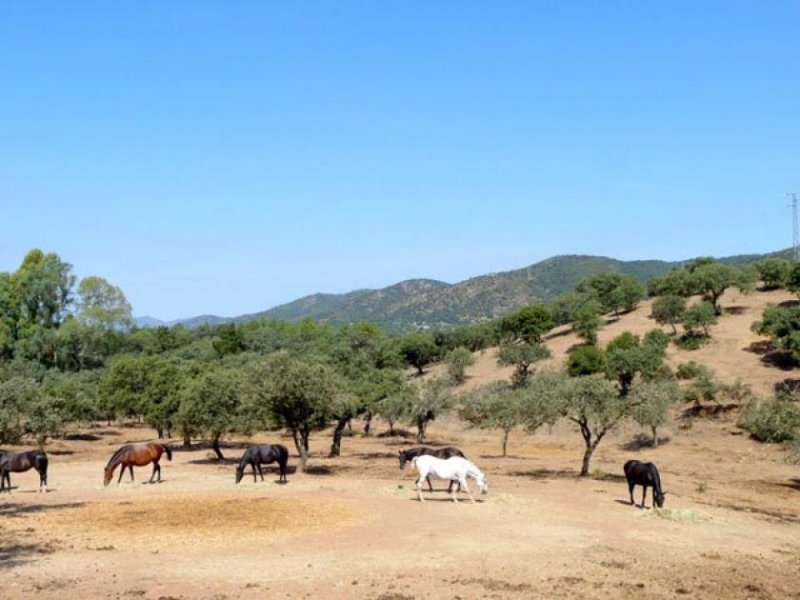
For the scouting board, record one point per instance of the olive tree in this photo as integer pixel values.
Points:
(652, 401)
(428, 401)
(522, 356)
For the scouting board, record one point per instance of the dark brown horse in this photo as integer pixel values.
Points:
(137, 455)
(19, 462)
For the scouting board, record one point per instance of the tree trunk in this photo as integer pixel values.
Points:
(391, 427)
(367, 422)
(216, 448)
(303, 449)
(587, 457)
(505, 441)
(674, 329)
(187, 440)
(420, 430)
(336, 446)
(160, 431)
(655, 437)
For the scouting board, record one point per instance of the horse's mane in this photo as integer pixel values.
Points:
(116, 455)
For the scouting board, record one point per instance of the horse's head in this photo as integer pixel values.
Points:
(659, 498)
(239, 474)
(483, 483)
(403, 458)
(109, 473)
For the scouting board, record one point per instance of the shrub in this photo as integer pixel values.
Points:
(773, 420)
(457, 361)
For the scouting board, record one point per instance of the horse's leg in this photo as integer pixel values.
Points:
(644, 495)
(121, 473)
(255, 479)
(261, 471)
(419, 485)
(131, 469)
(153, 474)
(430, 486)
(631, 485)
(465, 487)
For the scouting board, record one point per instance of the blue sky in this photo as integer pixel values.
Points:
(212, 157)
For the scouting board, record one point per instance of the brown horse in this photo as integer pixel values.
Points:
(137, 455)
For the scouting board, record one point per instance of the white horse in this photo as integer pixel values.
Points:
(454, 468)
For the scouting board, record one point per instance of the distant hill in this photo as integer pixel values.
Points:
(430, 303)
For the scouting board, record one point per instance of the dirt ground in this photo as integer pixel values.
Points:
(352, 528)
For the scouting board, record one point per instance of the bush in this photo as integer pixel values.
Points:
(690, 370)
(585, 360)
(772, 420)
(691, 341)
(457, 361)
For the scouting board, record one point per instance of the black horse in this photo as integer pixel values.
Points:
(19, 462)
(255, 456)
(645, 475)
(407, 455)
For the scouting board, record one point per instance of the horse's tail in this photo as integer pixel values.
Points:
(168, 450)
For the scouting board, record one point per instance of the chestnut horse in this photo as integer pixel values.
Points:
(19, 462)
(137, 455)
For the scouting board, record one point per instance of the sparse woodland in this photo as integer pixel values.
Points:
(70, 356)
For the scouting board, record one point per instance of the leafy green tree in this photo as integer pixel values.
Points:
(495, 406)
(344, 407)
(298, 395)
(527, 324)
(782, 325)
(17, 394)
(702, 315)
(614, 291)
(44, 419)
(593, 404)
(229, 340)
(774, 272)
(122, 387)
(161, 396)
(457, 361)
(628, 357)
(793, 280)
(522, 356)
(417, 350)
(102, 305)
(587, 321)
(712, 279)
(585, 360)
(395, 407)
(209, 404)
(43, 287)
(669, 310)
(676, 282)
(427, 402)
(652, 401)
(564, 306)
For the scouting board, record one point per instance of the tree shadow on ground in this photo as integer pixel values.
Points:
(326, 470)
(82, 437)
(641, 441)
(708, 410)
(789, 303)
(214, 461)
(546, 474)
(374, 455)
(735, 310)
(397, 433)
(15, 509)
(770, 357)
(14, 554)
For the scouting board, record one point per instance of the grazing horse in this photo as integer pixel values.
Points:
(19, 462)
(406, 455)
(645, 475)
(454, 468)
(137, 455)
(255, 456)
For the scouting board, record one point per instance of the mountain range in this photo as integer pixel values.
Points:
(429, 303)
